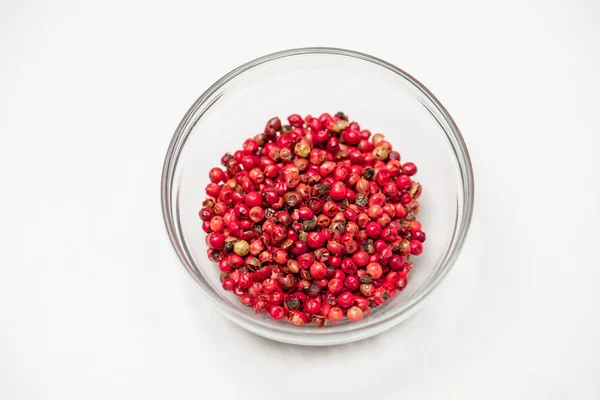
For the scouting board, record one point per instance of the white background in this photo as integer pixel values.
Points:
(93, 301)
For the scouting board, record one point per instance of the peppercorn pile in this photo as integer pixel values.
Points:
(313, 221)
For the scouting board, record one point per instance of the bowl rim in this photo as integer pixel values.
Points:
(449, 259)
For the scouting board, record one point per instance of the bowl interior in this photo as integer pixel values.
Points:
(374, 94)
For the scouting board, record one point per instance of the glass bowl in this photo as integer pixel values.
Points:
(382, 98)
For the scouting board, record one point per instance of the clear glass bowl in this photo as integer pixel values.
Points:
(378, 95)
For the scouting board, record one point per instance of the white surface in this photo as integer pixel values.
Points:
(94, 303)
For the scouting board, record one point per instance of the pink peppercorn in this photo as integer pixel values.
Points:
(319, 210)
(335, 314)
(355, 314)
(228, 284)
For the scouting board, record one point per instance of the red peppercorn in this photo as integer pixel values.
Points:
(350, 195)
(375, 270)
(271, 171)
(403, 182)
(278, 234)
(325, 117)
(397, 262)
(220, 208)
(330, 209)
(312, 306)
(325, 308)
(401, 283)
(338, 274)
(400, 211)
(216, 175)
(315, 204)
(362, 303)
(381, 295)
(335, 248)
(414, 226)
(257, 176)
(224, 265)
(389, 210)
(389, 234)
(333, 145)
(409, 168)
(295, 120)
(377, 199)
(383, 177)
(351, 137)
(354, 126)
(345, 299)
(260, 306)
(405, 198)
(256, 214)
(253, 199)
(305, 213)
(217, 240)
(235, 261)
(356, 157)
(213, 189)
(416, 247)
(338, 191)
(335, 261)
(335, 286)
(352, 282)
(299, 248)
(350, 214)
(270, 285)
(349, 266)
(245, 280)
(247, 299)
(384, 220)
(318, 270)
(298, 318)
(316, 125)
(276, 297)
(327, 168)
(270, 195)
(315, 239)
(385, 255)
(373, 230)
(241, 210)
(351, 246)
(225, 194)
(417, 235)
(262, 274)
(374, 258)
(280, 257)
(276, 312)
(306, 260)
(375, 211)
(361, 258)
(317, 157)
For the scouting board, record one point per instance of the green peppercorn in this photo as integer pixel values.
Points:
(381, 153)
(241, 248)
